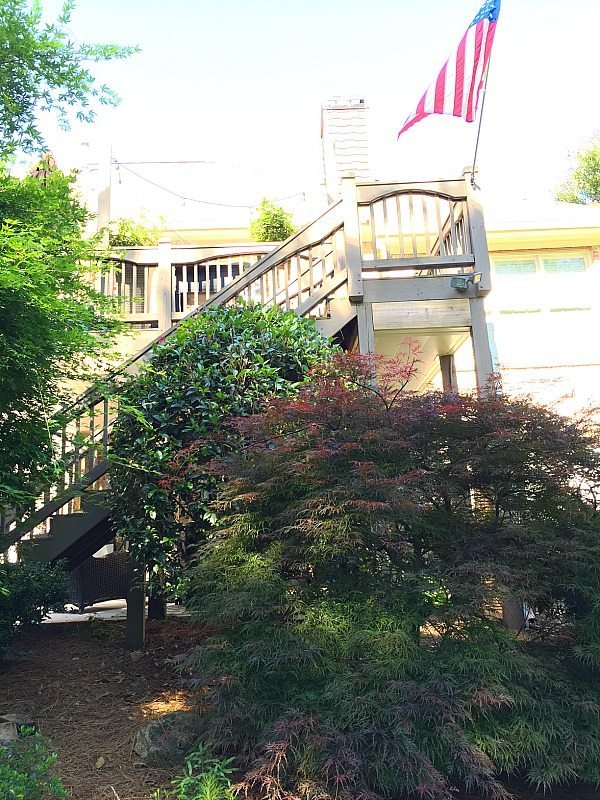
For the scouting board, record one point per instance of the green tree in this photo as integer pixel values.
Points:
(53, 325)
(42, 69)
(353, 585)
(271, 224)
(583, 185)
(221, 363)
(133, 233)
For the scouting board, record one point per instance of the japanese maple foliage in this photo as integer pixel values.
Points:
(367, 538)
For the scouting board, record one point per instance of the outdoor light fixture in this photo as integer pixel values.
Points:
(461, 282)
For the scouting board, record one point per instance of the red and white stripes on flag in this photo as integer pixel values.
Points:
(458, 85)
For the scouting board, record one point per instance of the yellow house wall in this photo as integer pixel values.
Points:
(544, 327)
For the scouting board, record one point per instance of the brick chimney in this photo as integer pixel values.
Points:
(344, 140)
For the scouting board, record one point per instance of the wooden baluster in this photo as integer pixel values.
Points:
(91, 451)
(133, 304)
(208, 290)
(386, 222)
(400, 232)
(373, 233)
(105, 423)
(424, 199)
(311, 277)
(453, 229)
(323, 273)
(294, 281)
(440, 229)
(196, 287)
(411, 215)
(384, 247)
(122, 284)
(286, 278)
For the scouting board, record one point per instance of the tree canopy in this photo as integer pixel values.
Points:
(583, 185)
(271, 224)
(353, 584)
(126, 232)
(42, 69)
(53, 324)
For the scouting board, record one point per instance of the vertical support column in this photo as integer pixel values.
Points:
(513, 615)
(477, 233)
(163, 285)
(136, 606)
(448, 370)
(352, 240)
(482, 353)
(366, 332)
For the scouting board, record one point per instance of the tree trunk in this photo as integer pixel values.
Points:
(157, 606)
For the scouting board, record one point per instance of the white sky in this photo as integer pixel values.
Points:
(239, 83)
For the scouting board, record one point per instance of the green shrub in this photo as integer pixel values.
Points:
(367, 538)
(28, 591)
(26, 771)
(220, 364)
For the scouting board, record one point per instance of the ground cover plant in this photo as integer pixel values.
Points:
(26, 770)
(221, 363)
(367, 541)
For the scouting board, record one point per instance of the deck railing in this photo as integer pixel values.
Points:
(375, 231)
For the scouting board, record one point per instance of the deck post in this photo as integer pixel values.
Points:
(482, 353)
(478, 235)
(163, 285)
(366, 332)
(448, 371)
(352, 240)
(135, 635)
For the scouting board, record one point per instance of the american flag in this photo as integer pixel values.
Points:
(457, 87)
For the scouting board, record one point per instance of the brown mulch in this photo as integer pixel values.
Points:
(87, 695)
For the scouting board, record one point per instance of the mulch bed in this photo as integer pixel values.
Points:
(87, 695)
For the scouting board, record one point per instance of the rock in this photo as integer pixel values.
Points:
(100, 762)
(166, 741)
(9, 732)
(20, 720)
(136, 655)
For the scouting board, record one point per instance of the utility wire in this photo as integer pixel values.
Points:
(119, 164)
(182, 196)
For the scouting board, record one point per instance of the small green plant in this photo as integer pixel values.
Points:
(99, 628)
(26, 770)
(204, 778)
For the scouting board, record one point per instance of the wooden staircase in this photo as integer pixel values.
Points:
(381, 246)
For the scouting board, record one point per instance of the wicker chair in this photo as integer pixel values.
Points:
(98, 579)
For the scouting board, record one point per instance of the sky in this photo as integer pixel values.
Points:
(238, 85)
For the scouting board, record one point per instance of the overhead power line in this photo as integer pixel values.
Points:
(187, 199)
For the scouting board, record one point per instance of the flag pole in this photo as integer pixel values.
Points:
(484, 90)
